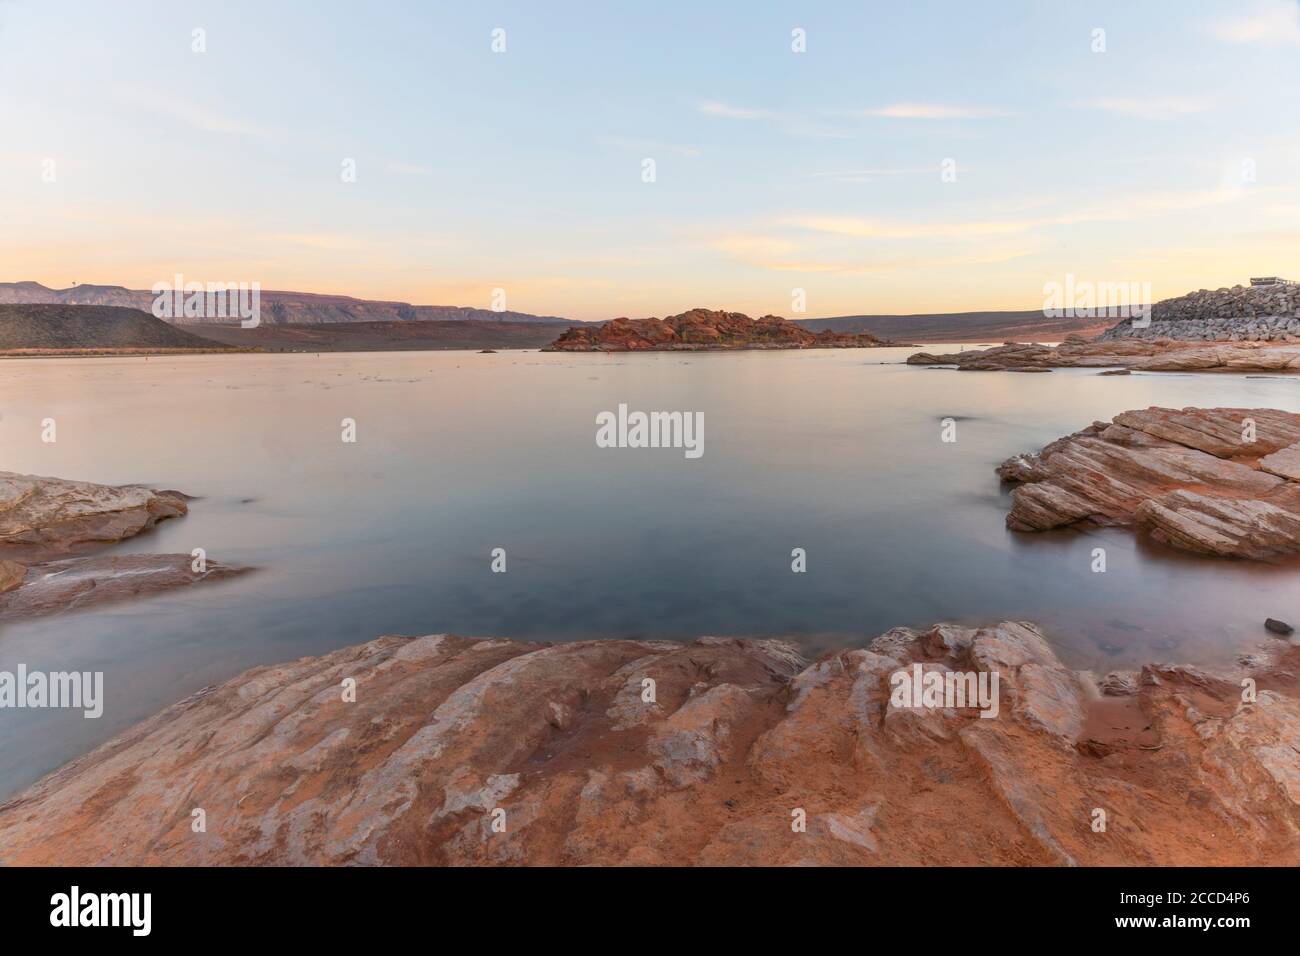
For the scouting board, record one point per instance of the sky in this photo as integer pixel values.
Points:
(912, 157)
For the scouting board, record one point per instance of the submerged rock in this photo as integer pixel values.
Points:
(1213, 481)
(464, 751)
(1279, 627)
(77, 584)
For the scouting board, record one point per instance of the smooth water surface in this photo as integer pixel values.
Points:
(837, 452)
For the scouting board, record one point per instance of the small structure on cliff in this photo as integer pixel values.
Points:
(1271, 280)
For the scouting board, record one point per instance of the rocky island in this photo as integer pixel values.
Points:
(705, 329)
(1215, 481)
(48, 526)
(457, 750)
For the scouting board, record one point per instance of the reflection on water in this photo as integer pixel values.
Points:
(836, 452)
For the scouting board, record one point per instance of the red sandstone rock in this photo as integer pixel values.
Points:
(1202, 480)
(701, 329)
(740, 739)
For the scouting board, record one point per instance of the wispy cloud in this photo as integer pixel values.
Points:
(191, 114)
(898, 229)
(872, 173)
(716, 108)
(649, 146)
(1121, 210)
(774, 260)
(806, 123)
(790, 123)
(318, 240)
(1150, 107)
(850, 246)
(742, 245)
(1269, 23)
(928, 111)
(410, 169)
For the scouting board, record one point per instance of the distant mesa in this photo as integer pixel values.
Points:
(1028, 325)
(278, 307)
(702, 330)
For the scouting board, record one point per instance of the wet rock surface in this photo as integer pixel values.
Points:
(78, 584)
(1216, 481)
(1140, 354)
(465, 751)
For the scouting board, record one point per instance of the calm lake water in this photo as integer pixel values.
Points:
(836, 452)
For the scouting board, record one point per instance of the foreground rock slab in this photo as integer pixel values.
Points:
(43, 518)
(1150, 355)
(721, 751)
(1217, 481)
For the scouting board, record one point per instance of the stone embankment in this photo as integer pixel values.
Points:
(1269, 313)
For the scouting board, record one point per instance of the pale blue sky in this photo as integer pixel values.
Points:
(775, 170)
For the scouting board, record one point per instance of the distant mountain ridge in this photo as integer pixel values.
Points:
(278, 307)
(1026, 325)
(307, 308)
